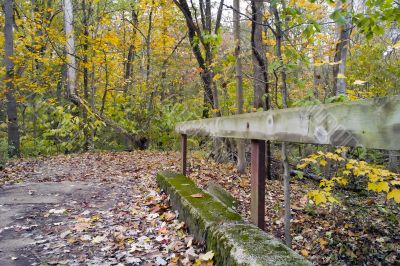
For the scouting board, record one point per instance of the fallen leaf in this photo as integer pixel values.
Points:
(206, 257)
(59, 211)
(98, 239)
(198, 195)
(322, 241)
(65, 233)
(86, 238)
(304, 252)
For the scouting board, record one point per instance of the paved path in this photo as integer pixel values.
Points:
(21, 216)
(90, 209)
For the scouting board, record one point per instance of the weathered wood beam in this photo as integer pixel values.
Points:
(372, 123)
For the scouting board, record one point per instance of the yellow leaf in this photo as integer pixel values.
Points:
(317, 196)
(332, 199)
(395, 195)
(372, 186)
(382, 186)
(397, 45)
(311, 160)
(217, 77)
(346, 172)
(341, 76)
(342, 181)
(373, 177)
(302, 166)
(323, 162)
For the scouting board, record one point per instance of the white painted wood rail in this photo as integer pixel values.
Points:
(372, 123)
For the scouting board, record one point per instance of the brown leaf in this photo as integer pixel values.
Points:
(304, 252)
(198, 195)
(322, 242)
(169, 216)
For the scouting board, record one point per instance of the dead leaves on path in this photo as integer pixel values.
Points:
(124, 220)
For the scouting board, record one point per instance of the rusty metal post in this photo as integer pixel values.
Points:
(184, 153)
(258, 183)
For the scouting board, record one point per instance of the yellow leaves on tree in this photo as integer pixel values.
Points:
(395, 195)
(379, 179)
(321, 197)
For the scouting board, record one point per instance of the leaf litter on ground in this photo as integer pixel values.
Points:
(139, 228)
(125, 220)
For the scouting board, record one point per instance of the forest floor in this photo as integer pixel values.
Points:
(118, 214)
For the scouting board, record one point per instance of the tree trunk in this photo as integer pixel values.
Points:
(70, 51)
(103, 99)
(260, 82)
(86, 13)
(206, 77)
(12, 115)
(148, 61)
(260, 74)
(343, 32)
(241, 158)
(286, 167)
(128, 69)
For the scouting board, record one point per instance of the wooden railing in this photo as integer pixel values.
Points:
(373, 123)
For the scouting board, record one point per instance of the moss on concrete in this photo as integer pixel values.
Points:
(245, 244)
(198, 213)
(233, 241)
(222, 195)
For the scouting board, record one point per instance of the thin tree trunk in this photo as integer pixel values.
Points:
(61, 82)
(343, 32)
(260, 82)
(12, 115)
(103, 100)
(34, 122)
(260, 74)
(93, 87)
(286, 167)
(87, 133)
(128, 68)
(241, 158)
(70, 51)
(148, 61)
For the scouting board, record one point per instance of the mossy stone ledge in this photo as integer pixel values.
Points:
(222, 195)
(233, 241)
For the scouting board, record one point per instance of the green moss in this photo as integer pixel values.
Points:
(222, 195)
(233, 241)
(251, 246)
(211, 209)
